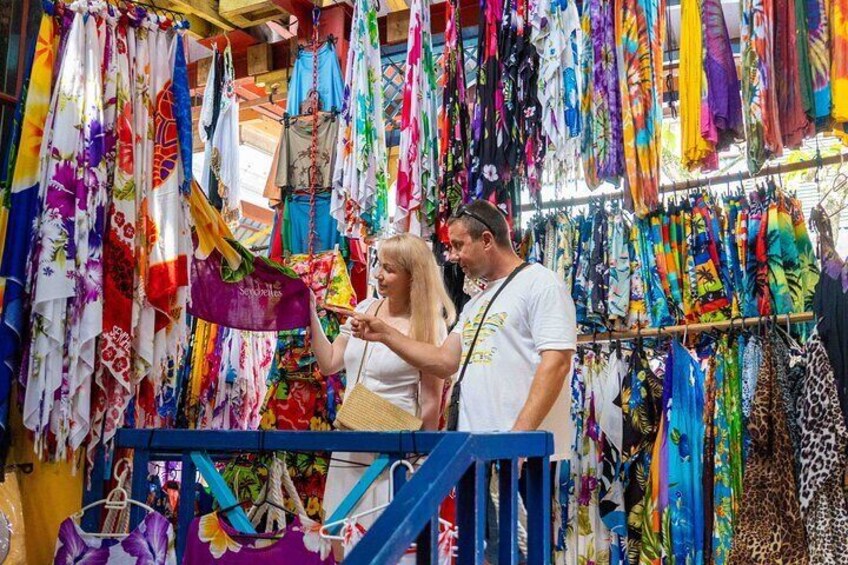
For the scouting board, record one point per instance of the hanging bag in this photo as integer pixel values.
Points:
(453, 405)
(366, 411)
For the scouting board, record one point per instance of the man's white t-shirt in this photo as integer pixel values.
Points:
(534, 313)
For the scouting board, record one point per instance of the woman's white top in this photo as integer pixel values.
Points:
(383, 371)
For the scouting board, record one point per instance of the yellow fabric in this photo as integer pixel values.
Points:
(839, 59)
(50, 494)
(12, 506)
(691, 85)
(210, 228)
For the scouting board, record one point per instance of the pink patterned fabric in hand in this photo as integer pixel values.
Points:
(260, 296)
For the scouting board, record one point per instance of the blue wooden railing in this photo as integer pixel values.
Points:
(454, 459)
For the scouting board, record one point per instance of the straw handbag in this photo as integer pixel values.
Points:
(366, 411)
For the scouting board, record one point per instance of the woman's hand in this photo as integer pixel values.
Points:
(370, 328)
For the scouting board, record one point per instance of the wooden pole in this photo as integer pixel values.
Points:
(695, 183)
(695, 328)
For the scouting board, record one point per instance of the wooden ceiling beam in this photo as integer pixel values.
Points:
(205, 9)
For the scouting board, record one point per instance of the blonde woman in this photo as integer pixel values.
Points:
(415, 302)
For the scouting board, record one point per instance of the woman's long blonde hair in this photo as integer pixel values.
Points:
(431, 309)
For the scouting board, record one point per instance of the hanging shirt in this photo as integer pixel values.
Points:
(330, 85)
(294, 160)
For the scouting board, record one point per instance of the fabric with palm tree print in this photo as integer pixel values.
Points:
(699, 259)
(641, 406)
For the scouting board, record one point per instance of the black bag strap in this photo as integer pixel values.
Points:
(511, 276)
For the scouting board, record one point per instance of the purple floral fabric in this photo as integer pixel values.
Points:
(151, 543)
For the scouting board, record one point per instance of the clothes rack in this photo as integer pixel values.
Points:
(696, 183)
(288, 119)
(798, 318)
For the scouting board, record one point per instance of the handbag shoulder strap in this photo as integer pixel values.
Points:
(365, 349)
(511, 276)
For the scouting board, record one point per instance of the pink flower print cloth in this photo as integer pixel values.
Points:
(212, 540)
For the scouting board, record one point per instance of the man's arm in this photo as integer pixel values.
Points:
(547, 384)
(430, 359)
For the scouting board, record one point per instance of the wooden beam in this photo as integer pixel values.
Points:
(245, 114)
(198, 27)
(257, 139)
(206, 9)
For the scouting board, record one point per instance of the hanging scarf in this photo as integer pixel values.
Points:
(794, 122)
(762, 128)
(818, 33)
(115, 376)
(417, 174)
(839, 60)
(601, 146)
(489, 174)
(697, 151)
(359, 201)
(66, 269)
(722, 122)
(641, 408)
(453, 125)
(640, 36)
(167, 284)
(727, 450)
(823, 459)
(23, 200)
(557, 37)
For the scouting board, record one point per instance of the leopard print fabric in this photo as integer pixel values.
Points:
(770, 530)
(824, 439)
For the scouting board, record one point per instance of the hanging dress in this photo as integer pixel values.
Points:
(769, 528)
(685, 457)
(823, 459)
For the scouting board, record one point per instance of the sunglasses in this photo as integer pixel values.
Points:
(464, 211)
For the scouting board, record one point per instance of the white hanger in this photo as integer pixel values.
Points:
(117, 499)
(326, 535)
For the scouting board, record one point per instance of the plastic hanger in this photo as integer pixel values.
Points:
(324, 533)
(117, 499)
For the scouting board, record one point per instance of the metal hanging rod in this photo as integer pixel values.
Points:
(799, 318)
(696, 183)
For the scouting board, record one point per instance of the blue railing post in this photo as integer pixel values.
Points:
(139, 484)
(188, 480)
(508, 511)
(455, 460)
(471, 513)
(427, 550)
(538, 504)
